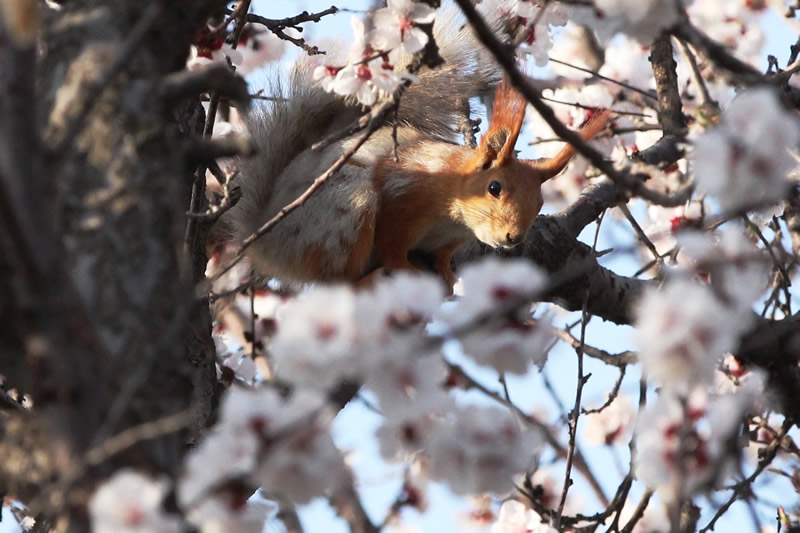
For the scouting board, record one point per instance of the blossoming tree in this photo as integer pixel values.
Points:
(149, 387)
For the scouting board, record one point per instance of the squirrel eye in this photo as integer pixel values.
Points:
(495, 188)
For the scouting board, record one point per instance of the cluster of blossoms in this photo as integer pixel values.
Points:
(378, 337)
(753, 140)
(694, 330)
(699, 315)
(262, 440)
(641, 19)
(131, 502)
(370, 71)
(330, 335)
(733, 23)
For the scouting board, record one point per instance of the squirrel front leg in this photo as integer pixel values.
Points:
(394, 237)
(443, 258)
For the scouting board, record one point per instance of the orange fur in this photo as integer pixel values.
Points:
(360, 253)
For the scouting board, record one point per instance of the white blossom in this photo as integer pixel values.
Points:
(746, 160)
(356, 80)
(737, 267)
(221, 515)
(130, 502)
(222, 456)
(682, 331)
(480, 449)
(410, 385)
(510, 346)
(302, 464)
(517, 16)
(325, 75)
(316, 343)
(396, 26)
(492, 283)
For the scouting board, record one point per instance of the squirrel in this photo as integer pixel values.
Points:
(369, 215)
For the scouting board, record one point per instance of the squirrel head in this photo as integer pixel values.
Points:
(502, 195)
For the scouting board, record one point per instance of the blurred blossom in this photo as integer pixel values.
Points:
(736, 265)
(221, 515)
(316, 344)
(514, 517)
(130, 502)
(745, 160)
(682, 330)
(514, 17)
(687, 450)
(479, 449)
(641, 19)
(492, 283)
(612, 425)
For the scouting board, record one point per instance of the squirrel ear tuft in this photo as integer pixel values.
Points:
(548, 168)
(504, 127)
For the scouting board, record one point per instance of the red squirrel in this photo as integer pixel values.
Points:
(370, 214)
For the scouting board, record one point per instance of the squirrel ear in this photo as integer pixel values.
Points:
(549, 168)
(504, 127)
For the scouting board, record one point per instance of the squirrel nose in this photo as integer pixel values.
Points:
(514, 239)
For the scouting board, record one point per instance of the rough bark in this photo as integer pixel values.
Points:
(100, 298)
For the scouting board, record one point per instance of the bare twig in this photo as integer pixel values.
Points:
(605, 78)
(611, 395)
(743, 488)
(620, 360)
(576, 410)
(277, 27)
(697, 78)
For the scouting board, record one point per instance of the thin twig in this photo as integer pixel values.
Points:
(605, 78)
(742, 489)
(576, 410)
